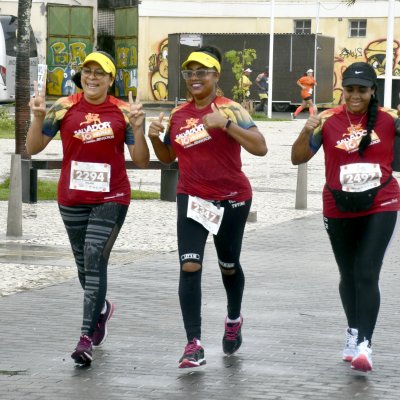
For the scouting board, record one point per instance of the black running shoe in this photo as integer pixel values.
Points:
(232, 339)
(193, 355)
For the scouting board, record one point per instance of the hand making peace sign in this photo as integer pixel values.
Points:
(136, 114)
(38, 102)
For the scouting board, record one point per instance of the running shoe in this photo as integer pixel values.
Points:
(232, 339)
(350, 347)
(193, 355)
(363, 359)
(292, 116)
(100, 333)
(83, 351)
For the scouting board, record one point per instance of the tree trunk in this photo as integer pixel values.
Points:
(22, 78)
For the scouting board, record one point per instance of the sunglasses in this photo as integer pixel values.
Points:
(198, 73)
(97, 73)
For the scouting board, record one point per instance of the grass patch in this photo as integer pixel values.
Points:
(47, 190)
(260, 116)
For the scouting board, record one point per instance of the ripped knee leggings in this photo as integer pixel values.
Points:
(192, 237)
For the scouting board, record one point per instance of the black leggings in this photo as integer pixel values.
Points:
(92, 231)
(359, 245)
(192, 238)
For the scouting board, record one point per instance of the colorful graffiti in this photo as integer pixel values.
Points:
(373, 53)
(158, 71)
(63, 60)
(127, 60)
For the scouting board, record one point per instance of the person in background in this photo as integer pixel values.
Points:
(93, 191)
(214, 196)
(262, 88)
(306, 83)
(361, 200)
(245, 82)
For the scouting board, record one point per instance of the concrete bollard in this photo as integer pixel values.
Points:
(301, 189)
(14, 216)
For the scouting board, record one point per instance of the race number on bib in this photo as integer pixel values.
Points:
(93, 177)
(205, 213)
(360, 177)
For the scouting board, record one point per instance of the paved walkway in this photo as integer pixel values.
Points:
(293, 322)
(293, 330)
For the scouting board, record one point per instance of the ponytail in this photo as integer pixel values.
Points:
(372, 115)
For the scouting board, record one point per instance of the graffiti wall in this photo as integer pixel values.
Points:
(127, 61)
(63, 59)
(158, 71)
(374, 53)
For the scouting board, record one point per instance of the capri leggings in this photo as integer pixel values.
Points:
(359, 245)
(192, 238)
(92, 231)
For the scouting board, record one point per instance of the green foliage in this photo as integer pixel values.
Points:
(7, 124)
(240, 60)
(47, 190)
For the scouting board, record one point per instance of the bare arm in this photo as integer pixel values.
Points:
(250, 139)
(139, 151)
(301, 151)
(164, 152)
(35, 140)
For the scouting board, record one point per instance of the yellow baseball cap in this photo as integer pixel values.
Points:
(204, 59)
(103, 61)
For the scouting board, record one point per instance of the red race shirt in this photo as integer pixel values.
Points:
(93, 138)
(340, 134)
(210, 165)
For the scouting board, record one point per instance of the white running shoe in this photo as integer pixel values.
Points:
(350, 347)
(363, 359)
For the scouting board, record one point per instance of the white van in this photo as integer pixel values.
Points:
(8, 57)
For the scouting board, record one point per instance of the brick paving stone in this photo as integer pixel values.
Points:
(293, 330)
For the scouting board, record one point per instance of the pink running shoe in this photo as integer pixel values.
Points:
(232, 339)
(100, 333)
(193, 355)
(83, 351)
(363, 359)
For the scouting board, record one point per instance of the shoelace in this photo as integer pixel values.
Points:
(191, 347)
(351, 340)
(231, 331)
(85, 340)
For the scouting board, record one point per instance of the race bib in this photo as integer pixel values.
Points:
(360, 177)
(93, 177)
(205, 213)
(310, 91)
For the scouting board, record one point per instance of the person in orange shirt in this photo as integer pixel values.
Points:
(307, 83)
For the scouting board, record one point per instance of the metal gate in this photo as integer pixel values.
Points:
(69, 40)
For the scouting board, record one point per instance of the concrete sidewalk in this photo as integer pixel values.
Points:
(293, 330)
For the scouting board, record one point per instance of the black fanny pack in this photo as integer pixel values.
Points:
(356, 201)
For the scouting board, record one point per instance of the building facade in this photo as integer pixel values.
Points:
(137, 34)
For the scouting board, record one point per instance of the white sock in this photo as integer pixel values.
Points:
(232, 321)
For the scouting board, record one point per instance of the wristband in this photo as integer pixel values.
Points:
(228, 124)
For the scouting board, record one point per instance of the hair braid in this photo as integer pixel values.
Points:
(372, 115)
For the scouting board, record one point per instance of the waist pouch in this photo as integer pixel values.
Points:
(356, 201)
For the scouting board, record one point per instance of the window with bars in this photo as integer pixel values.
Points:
(358, 28)
(106, 22)
(302, 26)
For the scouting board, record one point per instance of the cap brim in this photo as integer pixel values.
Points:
(103, 61)
(358, 82)
(203, 59)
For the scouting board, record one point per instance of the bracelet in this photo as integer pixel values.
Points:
(228, 124)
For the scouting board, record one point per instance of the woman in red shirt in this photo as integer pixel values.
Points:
(361, 200)
(206, 134)
(93, 191)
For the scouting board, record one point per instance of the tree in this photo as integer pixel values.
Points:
(240, 60)
(22, 78)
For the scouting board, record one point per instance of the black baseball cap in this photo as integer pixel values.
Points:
(359, 73)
